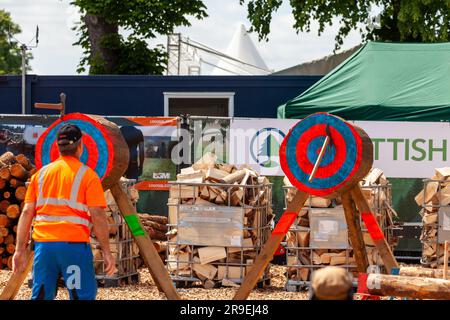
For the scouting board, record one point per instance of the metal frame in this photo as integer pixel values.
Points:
(379, 206)
(435, 225)
(262, 230)
(126, 260)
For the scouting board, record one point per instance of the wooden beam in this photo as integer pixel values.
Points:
(422, 272)
(444, 273)
(143, 241)
(354, 232)
(269, 248)
(379, 240)
(16, 280)
(411, 287)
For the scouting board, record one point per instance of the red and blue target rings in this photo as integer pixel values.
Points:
(347, 158)
(98, 151)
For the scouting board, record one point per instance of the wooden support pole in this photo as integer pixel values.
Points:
(379, 241)
(143, 241)
(16, 280)
(272, 244)
(444, 273)
(411, 287)
(354, 232)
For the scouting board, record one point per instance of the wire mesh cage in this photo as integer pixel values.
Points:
(319, 236)
(435, 212)
(121, 243)
(216, 244)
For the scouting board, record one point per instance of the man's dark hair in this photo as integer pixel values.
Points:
(68, 139)
(69, 149)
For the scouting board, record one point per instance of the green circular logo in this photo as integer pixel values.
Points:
(265, 147)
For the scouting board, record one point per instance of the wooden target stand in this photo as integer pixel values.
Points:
(323, 155)
(107, 153)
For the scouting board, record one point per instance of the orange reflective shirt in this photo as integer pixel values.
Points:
(62, 191)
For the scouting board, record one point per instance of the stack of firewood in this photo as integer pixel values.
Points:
(218, 185)
(299, 236)
(119, 237)
(156, 227)
(435, 194)
(15, 171)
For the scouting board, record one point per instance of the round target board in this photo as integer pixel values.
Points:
(346, 159)
(104, 148)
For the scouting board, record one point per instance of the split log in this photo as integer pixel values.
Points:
(442, 173)
(236, 197)
(230, 168)
(112, 226)
(204, 193)
(193, 177)
(18, 171)
(411, 287)
(160, 227)
(205, 270)
(234, 177)
(214, 174)
(155, 218)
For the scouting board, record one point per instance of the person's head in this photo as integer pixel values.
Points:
(331, 283)
(69, 141)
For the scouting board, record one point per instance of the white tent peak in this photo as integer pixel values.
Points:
(242, 48)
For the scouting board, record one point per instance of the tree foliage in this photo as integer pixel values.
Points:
(400, 20)
(10, 55)
(102, 29)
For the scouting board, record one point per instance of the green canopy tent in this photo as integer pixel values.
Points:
(382, 81)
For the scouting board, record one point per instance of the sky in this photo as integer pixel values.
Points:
(56, 54)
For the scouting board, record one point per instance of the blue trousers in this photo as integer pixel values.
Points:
(73, 261)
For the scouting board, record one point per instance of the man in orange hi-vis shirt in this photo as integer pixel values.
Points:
(64, 198)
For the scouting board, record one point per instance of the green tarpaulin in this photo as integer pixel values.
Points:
(382, 81)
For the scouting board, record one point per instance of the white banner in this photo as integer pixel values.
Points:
(401, 149)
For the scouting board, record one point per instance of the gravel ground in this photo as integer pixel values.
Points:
(146, 290)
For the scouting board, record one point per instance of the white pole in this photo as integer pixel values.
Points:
(24, 52)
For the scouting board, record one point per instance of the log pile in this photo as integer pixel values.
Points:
(300, 233)
(15, 171)
(219, 185)
(156, 227)
(436, 193)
